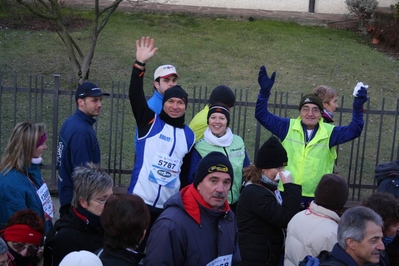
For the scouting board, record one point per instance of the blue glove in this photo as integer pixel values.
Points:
(265, 82)
(360, 99)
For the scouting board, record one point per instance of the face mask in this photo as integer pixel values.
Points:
(388, 240)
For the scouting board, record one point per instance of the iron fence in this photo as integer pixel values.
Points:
(52, 102)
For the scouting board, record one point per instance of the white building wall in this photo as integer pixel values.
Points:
(321, 6)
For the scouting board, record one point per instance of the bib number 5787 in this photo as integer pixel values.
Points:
(166, 164)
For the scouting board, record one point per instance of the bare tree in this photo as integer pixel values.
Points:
(51, 10)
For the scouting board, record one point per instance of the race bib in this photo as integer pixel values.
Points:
(165, 170)
(47, 202)
(221, 261)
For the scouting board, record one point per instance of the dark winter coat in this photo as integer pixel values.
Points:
(119, 257)
(262, 221)
(74, 232)
(189, 233)
(339, 257)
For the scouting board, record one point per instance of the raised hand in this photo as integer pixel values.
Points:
(145, 49)
(265, 82)
(360, 99)
(285, 176)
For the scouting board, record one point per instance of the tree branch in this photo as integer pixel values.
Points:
(110, 9)
(37, 12)
(51, 10)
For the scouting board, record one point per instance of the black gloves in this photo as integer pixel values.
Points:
(265, 82)
(360, 99)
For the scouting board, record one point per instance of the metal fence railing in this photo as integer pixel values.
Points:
(52, 102)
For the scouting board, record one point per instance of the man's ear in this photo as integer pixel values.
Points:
(350, 243)
(80, 101)
(156, 84)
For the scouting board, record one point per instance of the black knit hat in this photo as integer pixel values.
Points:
(222, 94)
(213, 162)
(331, 192)
(314, 99)
(175, 92)
(218, 109)
(271, 155)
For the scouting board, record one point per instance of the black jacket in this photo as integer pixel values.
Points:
(74, 232)
(338, 257)
(119, 257)
(262, 222)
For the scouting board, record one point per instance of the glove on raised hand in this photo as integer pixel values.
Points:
(358, 86)
(265, 82)
(360, 99)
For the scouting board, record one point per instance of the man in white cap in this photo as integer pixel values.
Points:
(165, 77)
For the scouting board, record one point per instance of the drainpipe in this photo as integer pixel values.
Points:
(311, 6)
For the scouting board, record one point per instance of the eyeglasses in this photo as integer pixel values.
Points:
(101, 201)
(314, 110)
(19, 247)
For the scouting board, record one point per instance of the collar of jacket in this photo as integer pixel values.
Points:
(84, 116)
(191, 201)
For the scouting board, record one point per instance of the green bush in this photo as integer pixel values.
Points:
(396, 8)
(363, 9)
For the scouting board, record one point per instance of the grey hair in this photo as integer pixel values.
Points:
(89, 181)
(353, 224)
(3, 247)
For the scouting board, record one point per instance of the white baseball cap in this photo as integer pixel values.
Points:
(165, 71)
(81, 258)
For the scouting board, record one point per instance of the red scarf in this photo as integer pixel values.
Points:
(192, 198)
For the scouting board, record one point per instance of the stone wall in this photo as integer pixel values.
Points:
(320, 6)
